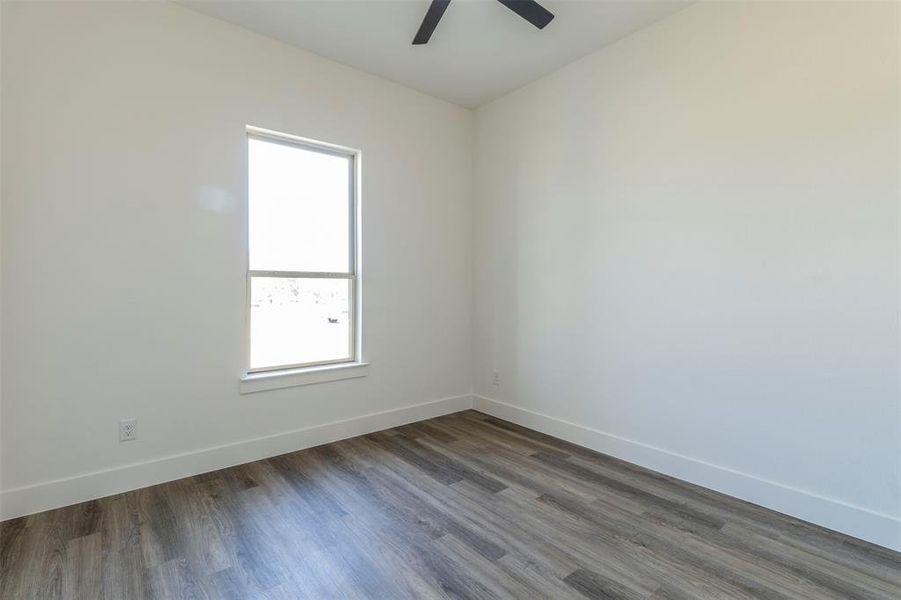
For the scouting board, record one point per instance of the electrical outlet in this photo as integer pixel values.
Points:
(128, 430)
(496, 379)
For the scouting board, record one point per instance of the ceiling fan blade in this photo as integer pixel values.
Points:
(531, 11)
(430, 21)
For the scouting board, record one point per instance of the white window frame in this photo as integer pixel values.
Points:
(255, 375)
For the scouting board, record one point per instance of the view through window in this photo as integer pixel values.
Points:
(301, 278)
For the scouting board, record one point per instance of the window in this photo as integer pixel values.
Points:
(302, 282)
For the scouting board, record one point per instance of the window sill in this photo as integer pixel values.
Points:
(274, 380)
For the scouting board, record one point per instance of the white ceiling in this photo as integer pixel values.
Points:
(481, 50)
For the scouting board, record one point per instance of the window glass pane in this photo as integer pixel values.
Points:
(299, 208)
(299, 321)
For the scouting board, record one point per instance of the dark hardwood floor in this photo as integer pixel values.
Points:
(463, 506)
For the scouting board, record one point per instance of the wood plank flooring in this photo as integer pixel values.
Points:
(462, 506)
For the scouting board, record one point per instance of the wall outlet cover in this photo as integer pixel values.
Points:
(128, 430)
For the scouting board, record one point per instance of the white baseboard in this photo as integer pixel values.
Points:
(859, 522)
(17, 502)
(856, 521)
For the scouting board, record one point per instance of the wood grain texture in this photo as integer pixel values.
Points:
(462, 506)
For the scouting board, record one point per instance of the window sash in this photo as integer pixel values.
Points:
(350, 275)
(322, 148)
(302, 274)
(352, 344)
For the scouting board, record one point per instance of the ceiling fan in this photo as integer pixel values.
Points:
(529, 10)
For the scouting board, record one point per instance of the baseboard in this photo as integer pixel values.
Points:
(856, 521)
(17, 502)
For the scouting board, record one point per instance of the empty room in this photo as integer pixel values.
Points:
(450, 299)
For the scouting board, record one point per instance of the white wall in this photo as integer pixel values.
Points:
(1, 262)
(687, 254)
(123, 237)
